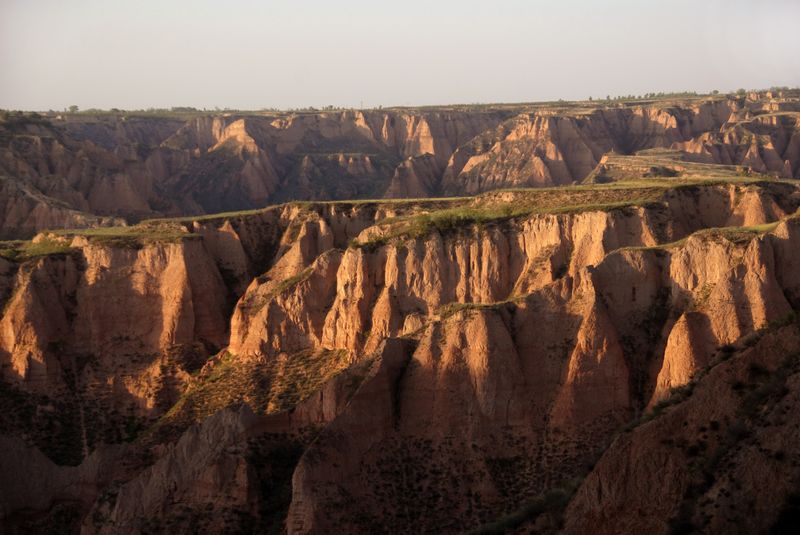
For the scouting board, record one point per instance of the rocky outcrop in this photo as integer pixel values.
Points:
(531, 396)
(26, 211)
(135, 167)
(105, 332)
(767, 144)
(547, 149)
(723, 460)
(431, 364)
(104, 338)
(231, 472)
(364, 295)
(414, 177)
(170, 296)
(626, 326)
(207, 465)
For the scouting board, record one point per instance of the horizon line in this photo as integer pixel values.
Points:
(313, 109)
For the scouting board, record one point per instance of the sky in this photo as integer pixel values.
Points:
(248, 54)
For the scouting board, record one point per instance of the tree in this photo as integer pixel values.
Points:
(73, 109)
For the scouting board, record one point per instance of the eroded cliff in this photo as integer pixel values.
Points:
(534, 358)
(84, 170)
(341, 366)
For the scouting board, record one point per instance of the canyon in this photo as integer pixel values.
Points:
(105, 169)
(501, 319)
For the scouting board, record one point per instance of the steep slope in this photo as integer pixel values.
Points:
(430, 364)
(26, 211)
(108, 335)
(555, 149)
(514, 405)
(766, 143)
(136, 166)
(721, 458)
(106, 328)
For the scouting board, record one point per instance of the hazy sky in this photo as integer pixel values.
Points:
(253, 54)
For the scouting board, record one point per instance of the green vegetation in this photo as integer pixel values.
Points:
(268, 387)
(421, 217)
(701, 297)
(19, 251)
(16, 122)
(736, 235)
(505, 205)
(58, 241)
(293, 281)
(450, 309)
(739, 235)
(257, 301)
(422, 203)
(443, 221)
(133, 237)
(221, 216)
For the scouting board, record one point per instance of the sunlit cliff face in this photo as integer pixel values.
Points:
(529, 357)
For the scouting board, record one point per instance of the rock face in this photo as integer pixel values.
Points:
(546, 149)
(84, 171)
(521, 388)
(110, 334)
(25, 211)
(764, 144)
(136, 167)
(431, 365)
(722, 461)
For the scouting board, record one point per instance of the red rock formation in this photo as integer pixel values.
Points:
(430, 365)
(121, 165)
(546, 149)
(721, 461)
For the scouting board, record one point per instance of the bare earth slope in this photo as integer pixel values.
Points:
(502, 338)
(58, 169)
(615, 356)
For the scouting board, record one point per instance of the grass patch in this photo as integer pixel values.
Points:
(735, 235)
(59, 241)
(451, 309)
(259, 300)
(453, 219)
(493, 208)
(740, 235)
(507, 204)
(20, 251)
(130, 237)
(207, 217)
(268, 387)
(701, 297)
(293, 281)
